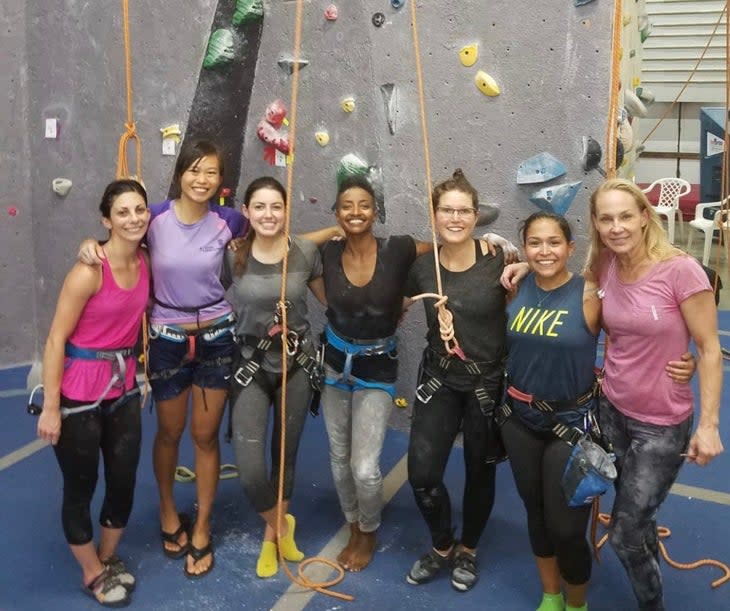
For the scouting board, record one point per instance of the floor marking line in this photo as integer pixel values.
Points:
(9, 394)
(704, 494)
(296, 597)
(23, 452)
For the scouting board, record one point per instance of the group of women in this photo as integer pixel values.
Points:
(216, 327)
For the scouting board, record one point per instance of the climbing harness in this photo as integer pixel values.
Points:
(353, 348)
(119, 371)
(174, 333)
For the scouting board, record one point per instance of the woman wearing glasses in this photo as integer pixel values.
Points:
(457, 390)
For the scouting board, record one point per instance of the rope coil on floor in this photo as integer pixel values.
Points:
(663, 532)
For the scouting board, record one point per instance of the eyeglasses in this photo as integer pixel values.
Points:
(461, 213)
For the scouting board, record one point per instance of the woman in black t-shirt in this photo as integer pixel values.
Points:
(458, 390)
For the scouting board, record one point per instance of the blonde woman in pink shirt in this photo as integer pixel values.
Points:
(655, 299)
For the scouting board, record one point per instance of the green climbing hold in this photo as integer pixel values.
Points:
(220, 49)
(351, 165)
(248, 11)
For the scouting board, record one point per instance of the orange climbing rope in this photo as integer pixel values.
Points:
(662, 533)
(301, 579)
(612, 122)
(131, 129)
(445, 317)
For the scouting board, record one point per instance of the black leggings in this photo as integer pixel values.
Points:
(118, 435)
(434, 428)
(538, 461)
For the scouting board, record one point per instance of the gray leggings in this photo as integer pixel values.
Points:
(356, 425)
(252, 407)
(648, 462)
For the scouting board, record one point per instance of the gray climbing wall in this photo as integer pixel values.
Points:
(550, 60)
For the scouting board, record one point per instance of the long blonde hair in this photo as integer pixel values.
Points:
(657, 245)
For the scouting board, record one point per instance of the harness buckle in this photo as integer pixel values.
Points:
(245, 374)
(425, 391)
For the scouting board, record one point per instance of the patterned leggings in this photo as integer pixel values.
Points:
(648, 462)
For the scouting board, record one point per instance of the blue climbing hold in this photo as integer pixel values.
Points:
(540, 168)
(396, 4)
(557, 198)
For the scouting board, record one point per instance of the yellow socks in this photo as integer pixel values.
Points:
(288, 546)
(268, 563)
(552, 602)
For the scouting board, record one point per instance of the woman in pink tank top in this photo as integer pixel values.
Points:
(91, 401)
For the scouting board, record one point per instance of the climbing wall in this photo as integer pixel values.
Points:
(513, 92)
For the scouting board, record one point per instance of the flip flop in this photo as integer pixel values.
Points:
(199, 554)
(175, 538)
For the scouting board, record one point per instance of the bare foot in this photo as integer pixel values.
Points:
(363, 552)
(345, 556)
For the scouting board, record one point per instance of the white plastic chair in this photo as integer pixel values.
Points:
(707, 226)
(670, 190)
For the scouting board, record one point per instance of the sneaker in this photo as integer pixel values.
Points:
(427, 567)
(464, 572)
(116, 568)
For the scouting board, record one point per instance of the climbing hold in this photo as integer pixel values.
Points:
(488, 213)
(247, 11)
(322, 137)
(378, 19)
(486, 84)
(171, 131)
(390, 99)
(635, 81)
(269, 130)
(396, 4)
(626, 20)
(645, 95)
(375, 176)
(313, 200)
(348, 104)
(61, 186)
(469, 55)
(220, 49)
(401, 402)
(540, 168)
(12, 211)
(330, 13)
(556, 198)
(581, 2)
(350, 165)
(225, 192)
(626, 134)
(591, 155)
(287, 64)
(633, 104)
(644, 26)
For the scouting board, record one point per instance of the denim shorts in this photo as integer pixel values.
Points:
(171, 369)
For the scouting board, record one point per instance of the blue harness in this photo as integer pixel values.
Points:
(119, 375)
(352, 348)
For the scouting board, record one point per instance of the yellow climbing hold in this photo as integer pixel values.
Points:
(322, 138)
(486, 84)
(469, 55)
(635, 81)
(401, 402)
(348, 104)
